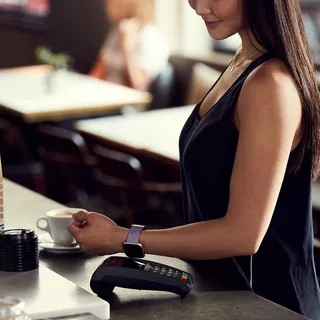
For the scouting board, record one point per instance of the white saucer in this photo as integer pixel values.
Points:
(46, 243)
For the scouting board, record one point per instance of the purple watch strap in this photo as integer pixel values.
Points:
(134, 233)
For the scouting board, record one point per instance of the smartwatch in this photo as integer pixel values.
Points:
(132, 248)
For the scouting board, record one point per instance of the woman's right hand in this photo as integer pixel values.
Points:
(96, 233)
(129, 31)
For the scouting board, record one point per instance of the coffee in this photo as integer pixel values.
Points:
(56, 223)
(63, 214)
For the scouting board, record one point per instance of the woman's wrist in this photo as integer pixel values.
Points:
(122, 234)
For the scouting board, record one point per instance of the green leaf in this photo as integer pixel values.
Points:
(57, 61)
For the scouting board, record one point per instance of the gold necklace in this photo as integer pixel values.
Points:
(237, 64)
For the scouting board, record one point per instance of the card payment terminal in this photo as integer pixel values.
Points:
(139, 274)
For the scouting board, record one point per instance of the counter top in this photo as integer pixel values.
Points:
(204, 306)
(211, 298)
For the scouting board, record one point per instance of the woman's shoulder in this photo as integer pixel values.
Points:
(273, 79)
(272, 66)
(272, 74)
(271, 89)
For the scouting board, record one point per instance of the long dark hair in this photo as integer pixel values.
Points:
(278, 27)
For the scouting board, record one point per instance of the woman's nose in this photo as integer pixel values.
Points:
(202, 7)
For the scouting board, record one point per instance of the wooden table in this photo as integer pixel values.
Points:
(152, 133)
(23, 91)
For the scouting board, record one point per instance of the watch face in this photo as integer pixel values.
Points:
(133, 250)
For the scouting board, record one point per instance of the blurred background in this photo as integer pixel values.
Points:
(94, 93)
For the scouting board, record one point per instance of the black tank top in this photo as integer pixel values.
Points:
(283, 269)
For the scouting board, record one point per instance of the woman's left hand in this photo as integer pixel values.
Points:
(97, 234)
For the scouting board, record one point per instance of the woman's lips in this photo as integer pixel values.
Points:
(211, 24)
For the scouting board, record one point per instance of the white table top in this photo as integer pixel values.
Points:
(155, 132)
(48, 295)
(24, 91)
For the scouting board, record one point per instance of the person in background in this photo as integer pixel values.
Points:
(37, 7)
(249, 153)
(135, 51)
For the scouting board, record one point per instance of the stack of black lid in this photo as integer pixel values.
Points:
(18, 250)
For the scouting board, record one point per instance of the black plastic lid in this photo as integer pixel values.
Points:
(17, 234)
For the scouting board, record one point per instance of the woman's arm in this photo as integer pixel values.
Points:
(138, 78)
(129, 32)
(145, 51)
(268, 117)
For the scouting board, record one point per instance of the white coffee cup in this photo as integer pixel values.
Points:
(57, 222)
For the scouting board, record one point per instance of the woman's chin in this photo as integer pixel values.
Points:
(216, 35)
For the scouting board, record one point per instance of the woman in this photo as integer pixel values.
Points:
(249, 152)
(134, 52)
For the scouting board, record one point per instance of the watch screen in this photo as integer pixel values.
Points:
(133, 250)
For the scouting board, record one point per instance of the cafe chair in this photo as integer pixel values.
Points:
(162, 88)
(122, 178)
(68, 164)
(18, 164)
